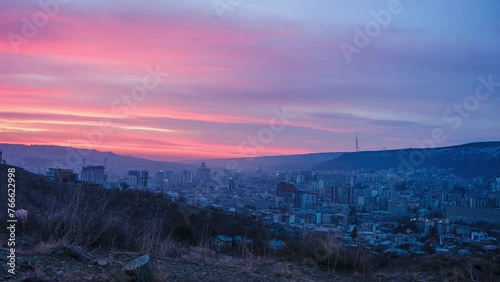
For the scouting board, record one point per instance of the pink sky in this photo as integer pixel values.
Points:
(225, 79)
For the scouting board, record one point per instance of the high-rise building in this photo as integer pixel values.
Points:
(137, 175)
(2, 161)
(145, 178)
(349, 194)
(285, 194)
(169, 175)
(345, 193)
(300, 199)
(398, 205)
(259, 170)
(304, 199)
(203, 173)
(160, 179)
(183, 177)
(330, 193)
(62, 175)
(94, 174)
(231, 185)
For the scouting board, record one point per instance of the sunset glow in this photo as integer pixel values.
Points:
(228, 77)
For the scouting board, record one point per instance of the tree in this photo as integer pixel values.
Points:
(400, 229)
(354, 233)
(363, 210)
(413, 226)
(436, 214)
(352, 211)
(428, 248)
(434, 231)
(124, 185)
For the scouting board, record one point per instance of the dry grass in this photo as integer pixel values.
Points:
(96, 219)
(80, 220)
(360, 260)
(458, 268)
(161, 275)
(247, 268)
(45, 248)
(250, 259)
(330, 255)
(282, 270)
(442, 267)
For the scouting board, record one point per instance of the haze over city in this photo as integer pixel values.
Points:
(214, 78)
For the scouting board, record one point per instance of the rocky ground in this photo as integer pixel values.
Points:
(57, 262)
(37, 261)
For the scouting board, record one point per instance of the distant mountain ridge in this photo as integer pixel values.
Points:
(286, 162)
(37, 158)
(468, 160)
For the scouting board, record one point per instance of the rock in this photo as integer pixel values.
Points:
(140, 269)
(102, 261)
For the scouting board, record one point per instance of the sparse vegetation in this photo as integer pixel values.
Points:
(330, 255)
(63, 216)
(282, 270)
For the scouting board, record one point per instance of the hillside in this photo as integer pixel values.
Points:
(109, 209)
(37, 158)
(468, 160)
(87, 233)
(273, 163)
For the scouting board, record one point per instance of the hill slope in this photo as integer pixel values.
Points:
(468, 160)
(37, 158)
(288, 162)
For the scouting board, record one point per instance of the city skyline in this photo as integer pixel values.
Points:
(254, 79)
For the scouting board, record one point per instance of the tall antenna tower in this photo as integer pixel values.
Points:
(357, 143)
